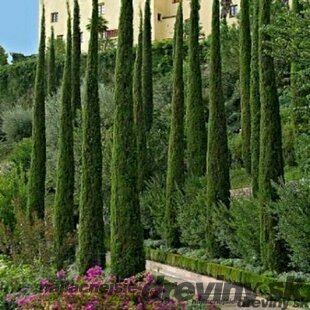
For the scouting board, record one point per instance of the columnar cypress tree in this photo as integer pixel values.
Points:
(255, 101)
(51, 79)
(271, 159)
(127, 255)
(245, 78)
(296, 8)
(218, 183)
(147, 65)
(175, 173)
(76, 59)
(64, 202)
(139, 112)
(196, 134)
(37, 174)
(91, 230)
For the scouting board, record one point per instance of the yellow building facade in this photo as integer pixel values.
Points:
(163, 16)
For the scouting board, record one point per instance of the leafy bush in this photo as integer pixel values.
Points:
(152, 206)
(21, 154)
(288, 145)
(235, 148)
(192, 215)
(238, 228)
(12, 195)
(17, 123)
(14, 277)
(303, 153)
(293, 211)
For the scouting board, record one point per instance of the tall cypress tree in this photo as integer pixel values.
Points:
(51, 78)
(127, 255)
(139, 112)
(218, 183)
(91, 250)
(37, 174)
(76, 59)
(147, 65)
(245, 78)
(296, 102)
(64, 202)
(255, 101)
(271, 159)
(196, 134)
(175, 173)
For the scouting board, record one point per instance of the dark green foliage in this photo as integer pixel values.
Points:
(64, 202)
(294, 221)
(218, 183)
(17, 123)
(271, 159)
(51, 71)
(275, 288)
(3, 57)
(192, 213)
(36, 190)
(76, 59)
(147, 65)
(245, 75)
(176, 167)
(91, 250)
(196, 134)
(255, 100)
(139, 118)
(127, 254)
(238, 229)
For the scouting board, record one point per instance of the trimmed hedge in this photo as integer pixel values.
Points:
(276, 289)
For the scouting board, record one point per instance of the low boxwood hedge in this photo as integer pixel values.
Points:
(272, 288)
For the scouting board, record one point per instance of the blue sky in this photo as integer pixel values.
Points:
(18, 25)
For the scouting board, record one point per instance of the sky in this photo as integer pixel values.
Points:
(19, 26)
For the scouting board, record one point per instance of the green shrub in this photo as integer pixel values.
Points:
(302, 147)
(238, 228)
(21, 154)
(12, 195)
(192, 213)
(17, 123)
(293, 211)
(152, 202)
(288, 145)
(235, 149)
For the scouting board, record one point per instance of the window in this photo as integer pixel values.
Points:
(60, 37)
(54, 17)
(109, 34)
(101, 8)
(233, 11)
(175, 1)
(159, 17)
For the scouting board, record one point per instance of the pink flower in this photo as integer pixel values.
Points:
(94, 272)
(61, 274)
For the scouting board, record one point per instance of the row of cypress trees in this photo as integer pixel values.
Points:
(133, 119)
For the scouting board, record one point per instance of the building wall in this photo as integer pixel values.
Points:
(163, 16)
